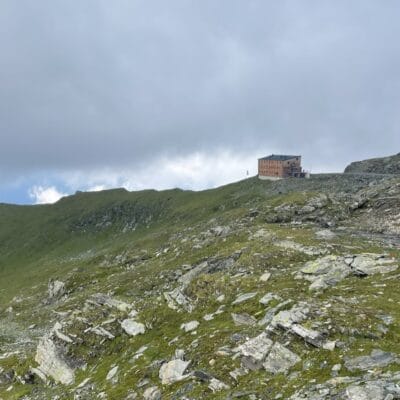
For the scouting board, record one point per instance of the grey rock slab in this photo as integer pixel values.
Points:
(286, 318)
(326, 271)
(269, 315)
(329, 270)
(101, 299)
(152, 393)
(265, 276)
(216, 385)
(257, 348)
(112, 374)
(202, 376)
(100, 331)
(56, 289)
(267, 298)
(220, 230)
(370, 391)
(261, 234)
(179, 354)
(173, 371)
(132, 328)
(57, 332)
(192, 274)
(280, 359)
(244, 297)
(238, 372)
(52, 362)
(190, 326)
(325, 234)
(176, 300)
(220, 298)
(243, 319)
(369, 264)
(312, 337)
(377, 359)
(310, 251)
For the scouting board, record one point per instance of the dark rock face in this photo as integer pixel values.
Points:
(384, 165)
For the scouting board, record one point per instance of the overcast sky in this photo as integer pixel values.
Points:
(97, 93)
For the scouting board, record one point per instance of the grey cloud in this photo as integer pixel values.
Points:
(100, 83)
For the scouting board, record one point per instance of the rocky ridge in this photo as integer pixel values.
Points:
(383, 165)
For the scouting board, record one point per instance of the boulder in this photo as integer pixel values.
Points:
(326, 271)
(244, 297)
(369, 264)
(52, 362)
(280, 359)
(255, 350)
(269, 315)
(173, 371)
(190, 326)
(285, 319)
(55, 289)
(132, 328)
(329, 270)
(176, 300)
(312, 337)
(377, 359)
(265, 276)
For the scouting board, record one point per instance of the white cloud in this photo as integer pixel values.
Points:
(45, 195)
(195, 171)
(96, 188)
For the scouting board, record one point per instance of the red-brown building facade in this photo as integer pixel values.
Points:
(280, 166)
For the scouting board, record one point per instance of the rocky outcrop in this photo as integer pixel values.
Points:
(53, 362)
(176, 300)
(100, 299)
(255, 350)
(280, 359)
(56, 289)
(352, 388)
(261, 352)
(384, 165)
(330, 270)
(377, 359)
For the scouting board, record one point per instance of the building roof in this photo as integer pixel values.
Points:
(278, 157)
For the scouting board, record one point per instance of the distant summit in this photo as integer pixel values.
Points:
(383, 165)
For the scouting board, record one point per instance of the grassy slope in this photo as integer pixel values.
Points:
(32, 237)
(41, 242)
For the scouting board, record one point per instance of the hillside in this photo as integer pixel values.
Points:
(383, 165)
(254, 290)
